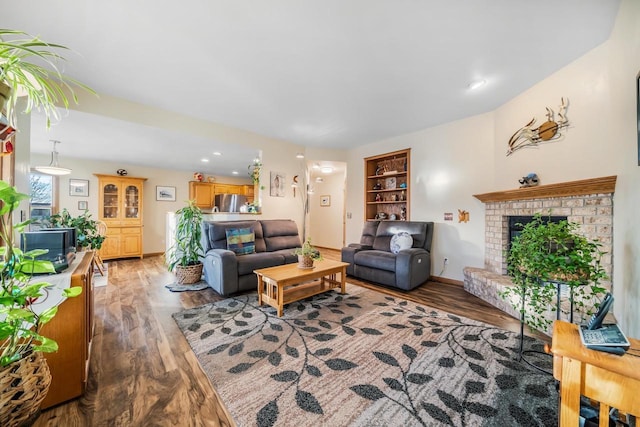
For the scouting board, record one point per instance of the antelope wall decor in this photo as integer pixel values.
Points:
(547, 131)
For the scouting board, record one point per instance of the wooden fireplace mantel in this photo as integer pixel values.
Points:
(582, 187)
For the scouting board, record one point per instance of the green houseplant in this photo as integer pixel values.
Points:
(307, 254)
(23, 370)
(544, 255)
(28, 67)
(87, 234)
(183, 257)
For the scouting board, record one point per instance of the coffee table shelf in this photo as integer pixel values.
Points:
(285, 284)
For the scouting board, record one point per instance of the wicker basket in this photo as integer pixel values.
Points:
(188, 275)
(305, 261)
(23, 386)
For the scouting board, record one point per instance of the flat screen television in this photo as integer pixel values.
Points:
(70, 236)
(59, 241)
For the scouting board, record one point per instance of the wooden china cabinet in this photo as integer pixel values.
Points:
(120, 207)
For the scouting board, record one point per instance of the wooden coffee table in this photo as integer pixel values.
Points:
(287, 283)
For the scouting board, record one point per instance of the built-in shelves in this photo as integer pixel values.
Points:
(387, 181)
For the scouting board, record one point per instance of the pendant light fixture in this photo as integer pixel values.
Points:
(53, 168)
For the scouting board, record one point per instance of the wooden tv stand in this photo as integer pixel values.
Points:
(72, 328)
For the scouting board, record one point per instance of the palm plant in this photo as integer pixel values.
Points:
(41, 81)
(186, 251)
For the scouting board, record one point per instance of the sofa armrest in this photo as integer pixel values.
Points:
(413, 268)
(221, 271)
(349, 252)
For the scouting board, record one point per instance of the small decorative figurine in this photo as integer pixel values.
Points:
(378, 197)
(121, 172)
(197, 176)
(377, 186)
(530, 180)
(403, 214)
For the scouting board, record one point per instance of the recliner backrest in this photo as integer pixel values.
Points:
(421, 232)
(214, 234)
(369, 233)
(280, 234)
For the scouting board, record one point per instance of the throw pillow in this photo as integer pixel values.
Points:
(241, 241)
(400, 241)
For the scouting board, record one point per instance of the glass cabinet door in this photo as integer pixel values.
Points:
(111, 201)
(132, 201)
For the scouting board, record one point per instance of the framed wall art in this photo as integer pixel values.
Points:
(277, 184)
(83, 205)
(325, 201)
(79, 187)
(165, 194)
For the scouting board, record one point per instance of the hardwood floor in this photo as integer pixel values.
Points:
(143, 372)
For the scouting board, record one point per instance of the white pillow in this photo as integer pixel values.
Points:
(400, 241)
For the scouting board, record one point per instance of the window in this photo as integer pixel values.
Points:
(42, 203)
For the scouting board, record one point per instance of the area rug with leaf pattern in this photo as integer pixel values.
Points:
(364, 359)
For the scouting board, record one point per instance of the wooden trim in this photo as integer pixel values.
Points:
(101, 175)
(602, 185)
(445, 280)
(393, 153)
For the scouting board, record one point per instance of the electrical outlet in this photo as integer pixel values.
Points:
(446, 261)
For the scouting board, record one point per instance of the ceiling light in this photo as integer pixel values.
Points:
(53, 168)
(477, 84)
(326, 169)
(299, 156)
(319, 179)
(203, 160)
(316, 166)
(217, 153)
(234, 172)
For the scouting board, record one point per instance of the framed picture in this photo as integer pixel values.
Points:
(165, 194)
(277, 184)
(325, 200)
(83, 205)
(79, 187)
(390, 183)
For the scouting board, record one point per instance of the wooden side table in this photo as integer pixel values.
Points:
(612, 380)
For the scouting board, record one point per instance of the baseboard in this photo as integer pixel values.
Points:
(152, 254)
(445, 280)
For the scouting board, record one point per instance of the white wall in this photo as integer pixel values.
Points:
(449, 163)
(453, 161)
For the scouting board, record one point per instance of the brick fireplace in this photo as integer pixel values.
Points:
(587, 202)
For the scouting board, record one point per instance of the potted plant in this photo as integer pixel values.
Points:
(87, 234)
(28, 67)
(546, 256)
(23, 369)
(184, 255)
(307, 254)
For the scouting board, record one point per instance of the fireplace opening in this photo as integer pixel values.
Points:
(517, 223)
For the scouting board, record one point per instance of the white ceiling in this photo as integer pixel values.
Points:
(330, 73)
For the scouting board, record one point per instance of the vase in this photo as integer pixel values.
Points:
(23, 386)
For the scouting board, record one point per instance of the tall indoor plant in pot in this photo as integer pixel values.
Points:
(28, 67)
(184, 256)
(547, 256)
(24, 375)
